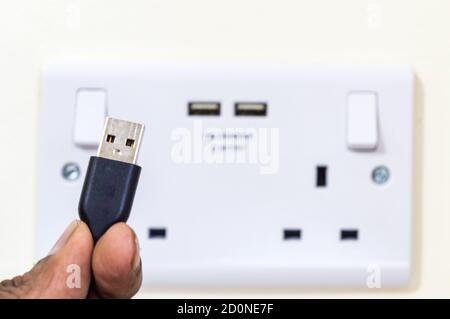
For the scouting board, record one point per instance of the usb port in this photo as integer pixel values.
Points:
(250, 109)
(204, 108)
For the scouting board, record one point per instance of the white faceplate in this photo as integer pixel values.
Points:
(225, 222)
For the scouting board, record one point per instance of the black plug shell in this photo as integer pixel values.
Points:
(108, 193)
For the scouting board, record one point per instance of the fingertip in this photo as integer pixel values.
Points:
(80, 240)
(118, 244)
(116, 262)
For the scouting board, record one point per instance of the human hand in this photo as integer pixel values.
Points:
(75, 268)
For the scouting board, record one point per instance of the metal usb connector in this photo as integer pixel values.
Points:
(121, 140)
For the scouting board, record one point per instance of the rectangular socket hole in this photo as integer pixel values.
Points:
(292, 234)
(250, 109)
(349, 234)
(204, 108)
(321, 176)
(110, 138)
(155, 233)
(129, 142)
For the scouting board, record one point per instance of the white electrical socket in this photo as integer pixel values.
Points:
(287, 189)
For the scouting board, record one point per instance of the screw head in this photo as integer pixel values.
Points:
(71, 171)
(380, 175)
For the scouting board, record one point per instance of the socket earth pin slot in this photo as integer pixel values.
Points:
(321, 176)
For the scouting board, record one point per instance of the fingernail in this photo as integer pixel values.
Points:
(61, 242)
(137, 256)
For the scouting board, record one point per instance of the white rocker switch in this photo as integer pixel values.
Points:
(90, 115)
(362, 121)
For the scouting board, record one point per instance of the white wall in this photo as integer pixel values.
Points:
(302, 31)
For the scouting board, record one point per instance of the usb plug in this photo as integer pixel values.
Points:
(121, 140)
(112, 177)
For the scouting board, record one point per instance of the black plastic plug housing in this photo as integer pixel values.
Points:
(108, 192)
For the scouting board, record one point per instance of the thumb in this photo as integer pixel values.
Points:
(65, 273)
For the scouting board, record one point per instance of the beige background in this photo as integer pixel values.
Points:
(302, 31)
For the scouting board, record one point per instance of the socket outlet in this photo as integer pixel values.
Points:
(248, 176)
